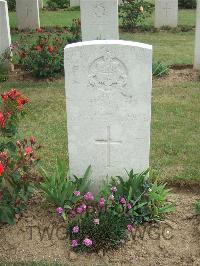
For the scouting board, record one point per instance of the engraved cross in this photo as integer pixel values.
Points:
(166, 9)
(108, 141)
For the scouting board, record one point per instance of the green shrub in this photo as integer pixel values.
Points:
(197, 207)
(133, 12)
(187, 4)
(160, 69)
(57, 4)
(11, 5)
(18, 159)
(44, 58)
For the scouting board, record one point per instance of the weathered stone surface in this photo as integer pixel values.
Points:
(108, 92)
(27, 14)
(166, 13)
(197, 38)
(5, 39)
(77, 2)
(99, 20)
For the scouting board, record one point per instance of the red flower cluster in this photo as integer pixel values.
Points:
(1, 169)
(16, 97)
(40, 30)
(13, 101)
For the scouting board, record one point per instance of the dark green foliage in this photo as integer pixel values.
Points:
(133, 12)
(187, 4)
(57, 4)
(110, 233)
(11, 5)
(197, 207)
(160, 69)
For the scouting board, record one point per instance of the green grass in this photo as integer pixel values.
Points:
(174, 133)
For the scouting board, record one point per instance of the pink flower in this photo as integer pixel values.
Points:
(102, 202)
(96, 221)
(28, 150)
(88, 196)
(77, 193)
(87, 242)
(74, 243)
(114, 189)
(129, 206)
(79, 210)
(82, 208)
(59, 210)
(75, 229)
(130, 227)
(122, 201)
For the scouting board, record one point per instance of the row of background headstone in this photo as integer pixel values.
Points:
(28, 17)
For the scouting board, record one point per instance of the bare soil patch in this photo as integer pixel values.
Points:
(175, 241)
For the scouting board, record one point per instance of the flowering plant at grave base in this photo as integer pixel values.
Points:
(102, 222)
(133, 12)
(18, 159)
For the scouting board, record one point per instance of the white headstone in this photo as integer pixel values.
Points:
(77, 2)
(197, 38)
(41, 4)
(5, 39)
(99, 20)
(108, 92)
(166, 13)
(28, 14)
(74, 3)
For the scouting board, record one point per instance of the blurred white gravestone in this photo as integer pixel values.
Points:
(166, 13)
(77, 2)
(5, 39)
(28, 14)
(197, 38)
(41, 4)
(99, 20)
(74, 3)
(108, 94)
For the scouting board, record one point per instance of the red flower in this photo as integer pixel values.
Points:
(13, 94)
(21, 101)
(39, 30)
(38, 48)
(2, 120)
(1, 169)
(4, 97)
(28, 150)
(50, 49)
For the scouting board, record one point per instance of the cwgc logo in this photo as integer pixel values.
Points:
(107, 72)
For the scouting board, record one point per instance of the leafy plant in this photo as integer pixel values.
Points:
(18, 159)
(133, 12)
(102, 222)
(160, 69)
(59, 188)
(148, 199)
(57, 4)
(187, 4)
(11, 5)
(197, 207)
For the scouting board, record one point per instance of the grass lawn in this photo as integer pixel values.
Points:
(175, 126)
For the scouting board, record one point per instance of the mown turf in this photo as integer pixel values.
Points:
(174, 133)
